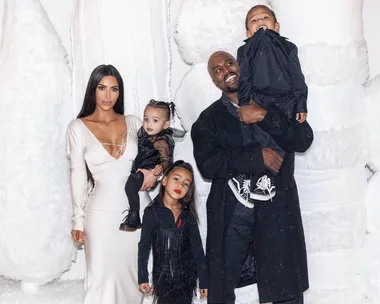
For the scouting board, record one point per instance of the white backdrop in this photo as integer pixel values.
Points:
(334, 243)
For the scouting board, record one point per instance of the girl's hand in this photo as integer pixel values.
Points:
(149, 179)
(146, 289)
(78, 236)
(204, 293)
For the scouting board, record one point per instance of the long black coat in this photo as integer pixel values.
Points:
(279, 245)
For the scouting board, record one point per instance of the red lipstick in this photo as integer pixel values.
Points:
(177, 191)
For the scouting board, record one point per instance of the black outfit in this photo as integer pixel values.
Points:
(178, 256)
(152, 150)
(270, 72)
(221, 151)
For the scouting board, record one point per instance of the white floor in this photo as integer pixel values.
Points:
(71, 292)
(60, 292)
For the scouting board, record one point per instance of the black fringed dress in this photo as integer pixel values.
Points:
(178, 256)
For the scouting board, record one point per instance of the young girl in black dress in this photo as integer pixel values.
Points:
(170, 228)
(155, 152)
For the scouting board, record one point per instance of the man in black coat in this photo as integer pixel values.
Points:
(225, 147)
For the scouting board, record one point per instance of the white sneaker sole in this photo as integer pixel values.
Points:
(262, 198)
(238, 196)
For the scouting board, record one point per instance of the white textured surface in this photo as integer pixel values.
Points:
(373, 121)
(370, 264)
(334, 22)
(371, 12)
(35, 108)
(332, 58)
(335, 106)
(58, 292)
(341, 148)
(195, 93)
(131, 35)
(205, 26)
(373, 205)
(332, 64)
(326, 189)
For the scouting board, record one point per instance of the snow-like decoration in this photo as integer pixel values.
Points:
(206, 26)
(373, 122)
(332, 64)
(35, 109)
(336, 148)
(335, 106)
(335, 183)
(370, 261)
(336, 22)
(135, 39)
(195, 93)
(371, 10)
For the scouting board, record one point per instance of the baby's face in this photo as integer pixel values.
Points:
(261, 17)
(155, 120)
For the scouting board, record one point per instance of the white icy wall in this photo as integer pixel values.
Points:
(35, 108)
(331, 175)
(135, 39)
(60, 14)
(371, 252)
(333, 87)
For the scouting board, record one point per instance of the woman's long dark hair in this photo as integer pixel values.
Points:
(89, 102)
(188, 200)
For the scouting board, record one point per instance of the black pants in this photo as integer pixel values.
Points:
(239, 236)
(132, 188)
(175, 300)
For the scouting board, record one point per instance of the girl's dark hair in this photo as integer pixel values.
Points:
(188, 200)
(169, 107)
(89, 102)
(259, 6)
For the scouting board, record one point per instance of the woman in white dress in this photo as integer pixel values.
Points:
(102, 143)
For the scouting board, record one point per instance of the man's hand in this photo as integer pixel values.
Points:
(251, 113)
(301, 117)
(272, 159)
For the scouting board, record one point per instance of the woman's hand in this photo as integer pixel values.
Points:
(149, 179)
(204, 293)
(78, 236)
(146, 289)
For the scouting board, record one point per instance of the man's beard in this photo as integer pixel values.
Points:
(231, 89)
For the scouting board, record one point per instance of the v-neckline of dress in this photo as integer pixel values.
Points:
(100, 143)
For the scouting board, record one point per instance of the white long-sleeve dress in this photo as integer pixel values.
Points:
(111, 254)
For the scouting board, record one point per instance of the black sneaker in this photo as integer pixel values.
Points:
(241, 186)
(131, 221)
(265, 189)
